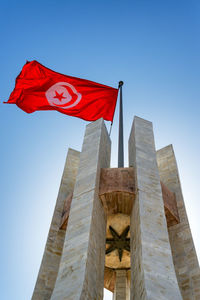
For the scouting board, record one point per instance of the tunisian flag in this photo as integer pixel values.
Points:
(39, 88)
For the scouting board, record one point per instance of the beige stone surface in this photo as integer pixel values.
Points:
(118, 222)
(117, 190)
(171, 209)
(81, 272)
(54, 245)
(109, 279)
(122, 288)
(184, 254)
(66, 210)
(152, 270)
(117, 180)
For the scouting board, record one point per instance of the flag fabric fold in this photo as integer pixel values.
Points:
(40, 88)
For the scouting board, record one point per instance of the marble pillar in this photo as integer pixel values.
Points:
(51, 259)
(81, 272)
(152, 270)
(183, 250)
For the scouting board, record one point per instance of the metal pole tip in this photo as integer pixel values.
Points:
(120, 83)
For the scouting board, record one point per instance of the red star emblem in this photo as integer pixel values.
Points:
(59, 96)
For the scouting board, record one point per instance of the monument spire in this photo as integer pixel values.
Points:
(124, 229)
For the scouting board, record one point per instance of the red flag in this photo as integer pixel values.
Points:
(39, 88)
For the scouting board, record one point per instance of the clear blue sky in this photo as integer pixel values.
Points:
(153, 46)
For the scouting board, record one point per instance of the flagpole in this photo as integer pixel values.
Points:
(121, 135)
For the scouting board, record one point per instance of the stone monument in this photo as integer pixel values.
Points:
(125, 229)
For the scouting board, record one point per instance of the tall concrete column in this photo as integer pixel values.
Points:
(183, 250)
(121, 291)
(54, 245)
(152, 271)
(81, 272)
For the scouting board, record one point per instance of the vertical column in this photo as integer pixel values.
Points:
(121, 286)
(54, 245)
(152, 271)
(183, 250)
(81, 272)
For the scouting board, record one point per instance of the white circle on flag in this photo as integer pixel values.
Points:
(61, 95)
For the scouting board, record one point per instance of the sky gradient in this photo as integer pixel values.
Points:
(153, 46)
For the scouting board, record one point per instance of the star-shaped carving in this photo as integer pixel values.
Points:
(119, 242)
(59, 96)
